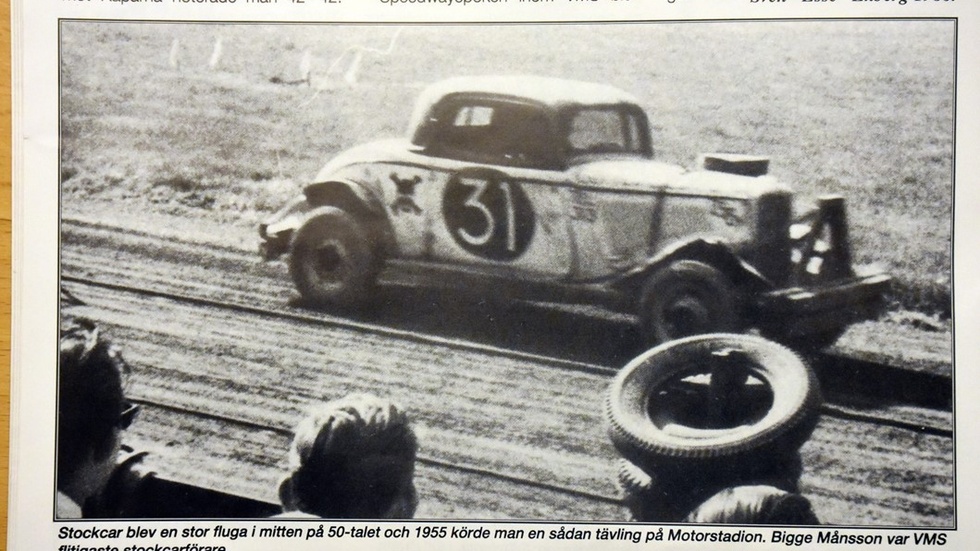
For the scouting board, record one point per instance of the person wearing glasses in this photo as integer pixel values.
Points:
(92, 413)
(352, 458)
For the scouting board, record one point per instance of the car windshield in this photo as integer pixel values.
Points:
(600, 130)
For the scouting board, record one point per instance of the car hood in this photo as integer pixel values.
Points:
(626, 174)
(647, 175)
(636, 175)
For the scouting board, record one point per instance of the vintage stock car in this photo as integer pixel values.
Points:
(548, 189)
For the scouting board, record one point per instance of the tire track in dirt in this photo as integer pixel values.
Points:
(236, 463)
(224, 366)
(473, 407)
(525, 421)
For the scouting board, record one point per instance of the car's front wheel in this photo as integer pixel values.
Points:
(686, 298)
(332, 261)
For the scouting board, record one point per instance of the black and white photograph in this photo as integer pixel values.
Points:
(615, 273)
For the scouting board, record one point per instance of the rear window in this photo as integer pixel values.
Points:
(500, 133)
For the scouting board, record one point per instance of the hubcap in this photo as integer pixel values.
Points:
(686, 316)
(329, 261)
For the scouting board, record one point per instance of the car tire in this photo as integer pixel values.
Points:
(637, 492)
(332, 262)
(648, 499)
(657, 442)
(687, 298)
(632, 479)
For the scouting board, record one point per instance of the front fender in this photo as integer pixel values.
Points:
(710, 251)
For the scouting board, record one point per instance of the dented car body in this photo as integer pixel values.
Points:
(548, 189)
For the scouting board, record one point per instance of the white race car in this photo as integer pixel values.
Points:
(548, 189)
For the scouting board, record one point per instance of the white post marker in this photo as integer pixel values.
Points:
(305, 66)
(175, 54)
(215, 54)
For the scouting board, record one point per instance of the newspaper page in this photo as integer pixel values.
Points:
(443, 274)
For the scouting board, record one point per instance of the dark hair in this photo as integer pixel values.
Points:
(352, 458)
(676, 489)
(90, 396)
(754, 504)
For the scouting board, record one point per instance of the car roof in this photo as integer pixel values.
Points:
(547, 90)
(551, 92)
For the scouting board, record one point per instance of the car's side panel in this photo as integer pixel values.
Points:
(612, 231)
(409, 194)
(514, 222)
(687, 217)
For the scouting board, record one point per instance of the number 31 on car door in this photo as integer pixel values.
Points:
(488, 214)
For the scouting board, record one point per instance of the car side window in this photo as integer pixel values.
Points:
(501, 133)
(603, 130)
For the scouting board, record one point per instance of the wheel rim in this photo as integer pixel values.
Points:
(686, 316)
(685, 312)
(328, 263)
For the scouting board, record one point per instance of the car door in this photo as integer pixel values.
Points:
(503, 198)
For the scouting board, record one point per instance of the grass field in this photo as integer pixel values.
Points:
(859, 108)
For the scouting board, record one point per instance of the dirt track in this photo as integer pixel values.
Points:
(502, 436)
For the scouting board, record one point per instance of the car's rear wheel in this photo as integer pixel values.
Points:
(725, 402)
(687, 298)
(332, 261)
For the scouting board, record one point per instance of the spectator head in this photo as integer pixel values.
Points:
(759, 489)
(758, 504)
(91, 409)
(352, 458)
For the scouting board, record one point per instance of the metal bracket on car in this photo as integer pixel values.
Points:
(821, 250)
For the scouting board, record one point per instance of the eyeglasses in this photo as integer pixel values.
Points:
(128, 415)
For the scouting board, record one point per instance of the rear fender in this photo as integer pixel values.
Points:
(709, 251)
(286, 219)
(346, 195)
(358, 201)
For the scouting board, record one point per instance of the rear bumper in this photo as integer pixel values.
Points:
(273, 246)
(801, 311)
(277, 231)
